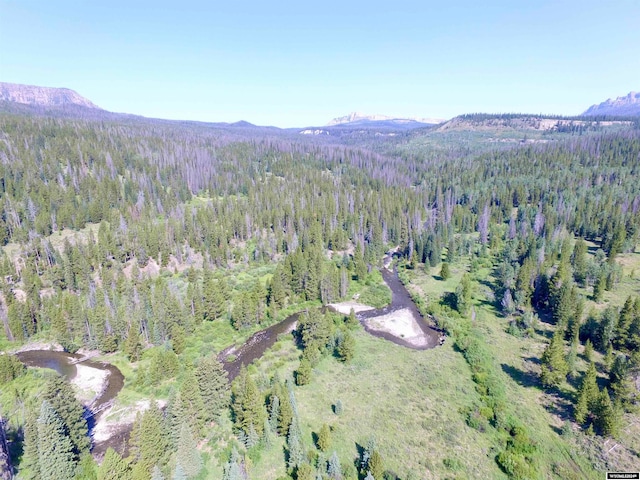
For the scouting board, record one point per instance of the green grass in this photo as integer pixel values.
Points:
(576, 456)
(408, 400)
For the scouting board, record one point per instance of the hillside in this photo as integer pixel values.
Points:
(195, 260)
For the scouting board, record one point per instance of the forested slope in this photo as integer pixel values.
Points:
(148, 239)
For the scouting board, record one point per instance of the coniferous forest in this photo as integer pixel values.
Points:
(160, 248)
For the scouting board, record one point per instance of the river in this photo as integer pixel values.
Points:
(232, 357)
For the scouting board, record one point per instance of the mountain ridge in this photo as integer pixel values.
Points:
(626, 105)
(43, 96)
(357, 117)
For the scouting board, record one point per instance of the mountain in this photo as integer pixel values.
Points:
(43, 96)
(622, 106)
(356, 118)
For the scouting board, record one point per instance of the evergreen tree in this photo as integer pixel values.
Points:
(187, 452)
(554, 367)
(324, 438)
(346, 347)
(294, 447)
(351, 321)
(274, 412)
(305, 472)
(179, 473)
(189, 406)
(132, 346)
(579, 261)
(587, 395)
(588, 350)
(59, 395)
(55, 449)
(376, 466)
(29, 464)
(156, 473)
(114, 467)
(608, 417)
(334, 469)
(248, 404)
(149, 442)
(444, 272)
(304, 372)
(214, 386)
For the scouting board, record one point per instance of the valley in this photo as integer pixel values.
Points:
(458, 300)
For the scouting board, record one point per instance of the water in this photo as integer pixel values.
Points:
(400, 299)
(62, 363)
(260, 341)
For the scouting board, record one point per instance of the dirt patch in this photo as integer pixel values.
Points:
(400, 323)
(117, 419)
(345, 307)
(54, 347)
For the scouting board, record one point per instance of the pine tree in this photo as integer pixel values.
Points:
(324, 438)
(179, 473)
(588, 350)
(156, 473)
(214, 386)
(444, 272)
(55, 449)
(294, 446)
(346, 347)
(305, 472)
(187, 452)
(29, 464)
(189, 406)
(351, 321)
(554, 367)
(60, 396)
(114, 467)
(274, 412)
(304, 372)
(376, 466)
(149, 441)
(608, 417)
(132, 346)
(248, 405)
(286, 410)
(587, 395)
(334, 469)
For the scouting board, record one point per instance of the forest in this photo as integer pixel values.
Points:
(162, 247)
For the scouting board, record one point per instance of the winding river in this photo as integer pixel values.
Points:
(233, 357)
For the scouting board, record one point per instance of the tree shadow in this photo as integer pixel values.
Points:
(448, 299)
(522, 377)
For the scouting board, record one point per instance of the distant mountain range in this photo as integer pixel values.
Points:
(356, 118)
(628, 105)
(43, 96)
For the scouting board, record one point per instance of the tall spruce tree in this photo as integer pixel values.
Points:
(114, 467)
(554, 367)
(214, 386)
(56, 457)
(188, 453)
(587, 395)
(60, 396)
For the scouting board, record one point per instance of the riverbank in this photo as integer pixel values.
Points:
(401, 324)
(346, 307)
(90, 383)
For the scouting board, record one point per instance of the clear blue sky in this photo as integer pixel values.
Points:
(302, 63)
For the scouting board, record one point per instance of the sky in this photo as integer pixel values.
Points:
(295, 64)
